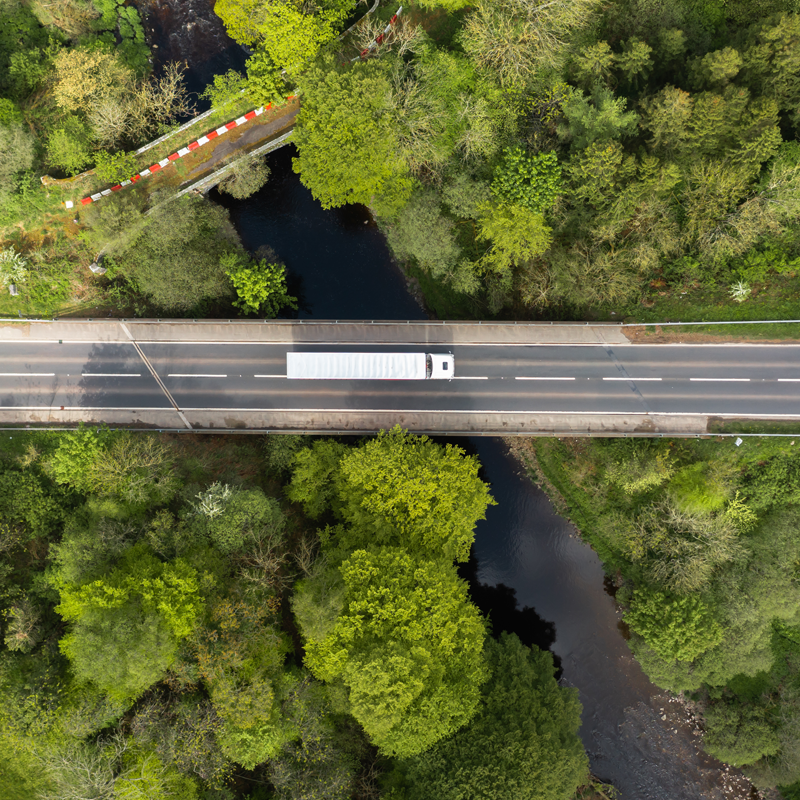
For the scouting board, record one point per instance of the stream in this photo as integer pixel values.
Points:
(529, 568)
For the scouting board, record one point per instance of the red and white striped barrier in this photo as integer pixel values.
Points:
(380, 39)
(184, 151)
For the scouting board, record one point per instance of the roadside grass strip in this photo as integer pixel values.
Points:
(184, 151)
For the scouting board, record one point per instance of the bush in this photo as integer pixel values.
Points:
(115, 167)
(13, 267)
(677, 628)
(246, 177)
(260, 287)
(68, 147)
(17, 151)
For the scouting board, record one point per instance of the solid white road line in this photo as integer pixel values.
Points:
(27, 374)
(728, 380)
(632, 379)
(111, 374)
(192, 375)
(269, 376)
(788, 380)
(468, 378)
(544, 379)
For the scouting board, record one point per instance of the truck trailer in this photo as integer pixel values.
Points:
(370, 366)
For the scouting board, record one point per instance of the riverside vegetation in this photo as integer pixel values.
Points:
(704, 541)
(271, 618)
(532, 159)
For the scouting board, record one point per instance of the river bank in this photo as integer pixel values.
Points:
(530, 570)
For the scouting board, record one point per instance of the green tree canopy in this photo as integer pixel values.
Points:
(523, 742)
(407, 645)
(346, 140)
(125, 627)
(405, 489)
(260, 287)
(175, 257)
(677, 628)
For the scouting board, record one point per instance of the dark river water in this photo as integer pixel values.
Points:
(529, 570)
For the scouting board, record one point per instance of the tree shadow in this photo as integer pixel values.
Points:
(500, 604)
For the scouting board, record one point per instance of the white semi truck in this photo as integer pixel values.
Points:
(370, 366)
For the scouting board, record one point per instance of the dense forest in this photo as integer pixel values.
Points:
(282, 617)
(273, 617)
(560, 159)
(703, 540)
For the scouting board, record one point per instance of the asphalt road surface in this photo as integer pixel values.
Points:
(747, 380)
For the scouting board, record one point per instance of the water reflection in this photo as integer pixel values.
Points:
(338, 264)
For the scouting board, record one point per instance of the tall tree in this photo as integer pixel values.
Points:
(523, 743)
(407, 644)
(346, 141)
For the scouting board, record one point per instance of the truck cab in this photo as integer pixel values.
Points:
(440, 365)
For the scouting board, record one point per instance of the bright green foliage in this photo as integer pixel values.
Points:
(718, 68)
(346, 141)
(741, 515)
(148, 778)
(533, 182)
(408, 647)
(68, 147)
(115, 167)
(739, 734)
(126, 625)
(696, 490)
(677, 628)
(640, 470)
(516, 234)
(225, 89)
(264, 81)
(260, 287)
(404, 489)
(522, 743)
(74, 457)
(315, 476)
(289, 34)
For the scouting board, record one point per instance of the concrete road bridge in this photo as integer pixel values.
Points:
(511, 378)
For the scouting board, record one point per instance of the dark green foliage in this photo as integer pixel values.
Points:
(148, 651)
(523, 742)
(17, 150)
(733, 639)
(175, 258)
(739, 734)
(69, 146)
